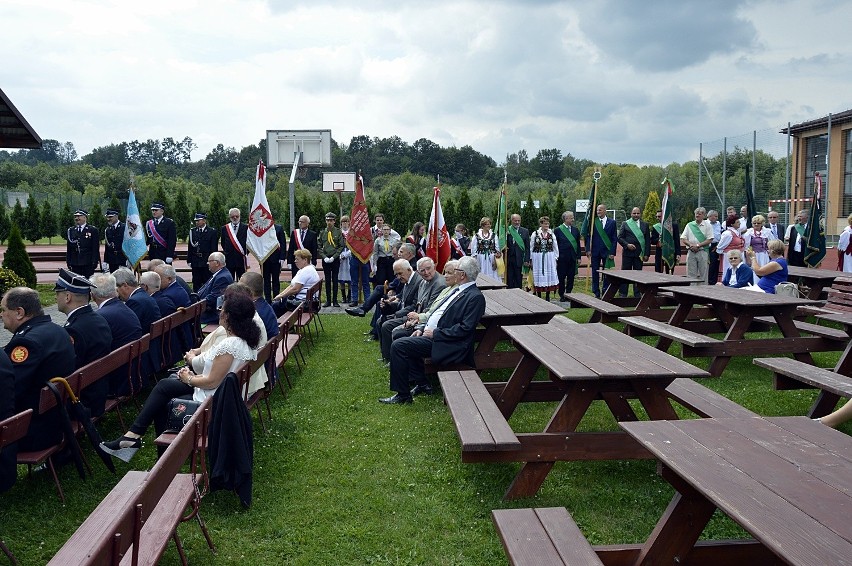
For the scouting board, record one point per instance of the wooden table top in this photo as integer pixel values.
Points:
(485, 282)
(736, 297)
(811, 273)
(596, 351)
(785, 480)
(649, 277)
(514, 302)
(841, 317)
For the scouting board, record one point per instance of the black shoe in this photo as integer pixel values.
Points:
(396, 400)
(357, 311)
(122, 448)
(370, 338)
(353, 304)
(326, 304)
(422, 389)
(335, 304)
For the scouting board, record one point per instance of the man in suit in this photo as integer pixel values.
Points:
(162, 234)
(150, 282)
(777, 229)
(330, 247)
(271, 268)
(302, 238)
(568, 243)
(125, 328)
(211, 292)
(234, 235)
(113, 239)
(90, 333)
(147, 311)
(635, 242)
(83, 246)
(38, 350)
(517, 252)
(600, 247)
(203, 241)
(447, 337)
(795, 239)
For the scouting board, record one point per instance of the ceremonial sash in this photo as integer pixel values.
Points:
(517, 237)
(234, 240)
(696, 231)
(571, 240)
(635, 228)
(659, 228)
(329, 238)
(297, 235)
(800, 229)
(455, 243)
(610, 262)
(152, 231)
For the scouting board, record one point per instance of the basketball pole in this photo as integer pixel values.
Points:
(297, 162)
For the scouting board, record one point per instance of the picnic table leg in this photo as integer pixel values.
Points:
(515, 388)
(736, 331)
(844, 364)
(489, 341)
(654, 399)
(619, 407)
(784, 320)
(823, 404)
(678, 317)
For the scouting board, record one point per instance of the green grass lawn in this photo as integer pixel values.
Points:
(343, 479)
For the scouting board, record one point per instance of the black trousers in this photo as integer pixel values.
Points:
(271, 271)
(331, 271)
(630, 263)
(406, 363)
(514, 277)
(566, 269)
(156, 405)
(200, 276)
(713, 269)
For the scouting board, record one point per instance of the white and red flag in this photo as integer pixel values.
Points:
(261, 225)
(438, 238)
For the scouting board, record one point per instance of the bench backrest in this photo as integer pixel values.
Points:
(840, 295)
(15, 427)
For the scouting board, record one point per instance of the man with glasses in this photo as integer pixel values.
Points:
(428, 287)
(777, 229)
(212, 291)
(38, 350)
(233, 240)
(302, 238)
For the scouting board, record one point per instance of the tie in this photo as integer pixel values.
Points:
(439, 312)
(775, 231)
(302, 237)
(80, 229)
(387, 245)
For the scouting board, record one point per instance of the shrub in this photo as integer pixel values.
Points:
(9, 279)
(17, 260)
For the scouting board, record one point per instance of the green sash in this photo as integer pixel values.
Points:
(696, 231)
(573, 241)
(610, 262)
(517, 237)
(634, 227)
(800, 229)
(658, 227)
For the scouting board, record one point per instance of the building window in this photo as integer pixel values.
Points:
(816, 161)
(847, 173)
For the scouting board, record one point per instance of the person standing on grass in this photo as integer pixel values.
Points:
(330, 247)
(635, 241)
(567, 264)
(83, 246)
(696, 237)
(600, 248)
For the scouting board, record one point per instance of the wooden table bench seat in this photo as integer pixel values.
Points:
(604, 310)
(479, 423)
(665, 330)
(809, 327)
(542, 536)
(793, 374)
(705, 402)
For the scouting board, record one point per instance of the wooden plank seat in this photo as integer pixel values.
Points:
(604, 311)
(703, 401)
(13, 429)
(290, 340)
(793, 374)
(839, 299)
(135, 521)
(815, 329)
(665, 330)
(479, 423)
(542, 536)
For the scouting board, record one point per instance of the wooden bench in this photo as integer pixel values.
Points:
(705, 402)
(479, 423)
(688, 338)
(839, 299)
(542, 536)
(793, 374)
(13, 429)
(802, 326)
(290, 340)
(604, 311)
(135, 521)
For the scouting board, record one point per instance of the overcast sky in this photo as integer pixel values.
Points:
(622, 81)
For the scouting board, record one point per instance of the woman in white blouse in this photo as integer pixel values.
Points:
(730, 240)
(757, 238)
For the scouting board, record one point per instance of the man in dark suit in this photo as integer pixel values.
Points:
(302, 238)
(125, 329)
(213, 290)
(447, 337)
(113, 239)
(601, 249)
(517, 252)
(635, 241)
(90, 333)
(162, 234)
(778, 230)
(233, 239)
(38, 350)
(181, 339)
(568, 243)
(147, 311)
(795, 239)
(150, 282)
(271, 268)
(203, 241)
(83, 246)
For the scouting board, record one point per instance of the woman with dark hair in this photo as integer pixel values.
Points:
(240, 345)
(418, 238)
(730, 240)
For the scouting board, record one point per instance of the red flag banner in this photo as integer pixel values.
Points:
(360, 237)
(438, 238)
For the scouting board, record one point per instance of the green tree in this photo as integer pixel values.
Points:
(48, 222)
(181, 214)
(5, 224)
(62, 221)
(463, 212)
(216, 214)
(31, 227)
(97, 219)
(17, 217)
(17, 259)
(652, 205)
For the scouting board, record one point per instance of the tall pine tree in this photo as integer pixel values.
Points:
(17, 259)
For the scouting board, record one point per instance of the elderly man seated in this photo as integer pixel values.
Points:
(211, 292)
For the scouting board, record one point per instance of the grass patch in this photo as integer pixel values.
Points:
(342, 479)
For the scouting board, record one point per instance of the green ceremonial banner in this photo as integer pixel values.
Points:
(501, 222)
(667, 238)
(815, 237)
(751, 208)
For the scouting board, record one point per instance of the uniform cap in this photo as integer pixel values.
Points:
(70, 281)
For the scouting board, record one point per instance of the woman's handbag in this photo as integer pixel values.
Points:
(180, 411)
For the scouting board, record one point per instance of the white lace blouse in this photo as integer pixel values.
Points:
(233, 345)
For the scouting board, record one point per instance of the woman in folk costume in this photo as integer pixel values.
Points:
(343, 276)
(544, 252)
(730, 240)
(483, 247)
(757, 237)
(844, 248)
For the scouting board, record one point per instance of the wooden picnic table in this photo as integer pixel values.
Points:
(508, 307)
(486, 282)
(585, 362)
(650, 303)
(815, 279)
(736, 311)
(786, 480)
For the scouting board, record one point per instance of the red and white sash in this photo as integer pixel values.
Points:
(234, 241)
(458, 247)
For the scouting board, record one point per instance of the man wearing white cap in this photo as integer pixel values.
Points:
(162, 234)
(83, 246)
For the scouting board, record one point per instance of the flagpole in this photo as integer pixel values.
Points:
(593, 211)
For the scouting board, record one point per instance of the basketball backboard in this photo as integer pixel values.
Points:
(342, 182)
(282, 145)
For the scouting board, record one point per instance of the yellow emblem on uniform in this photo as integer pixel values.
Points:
(19, 354)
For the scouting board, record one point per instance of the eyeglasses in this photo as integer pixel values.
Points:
(235, 217)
